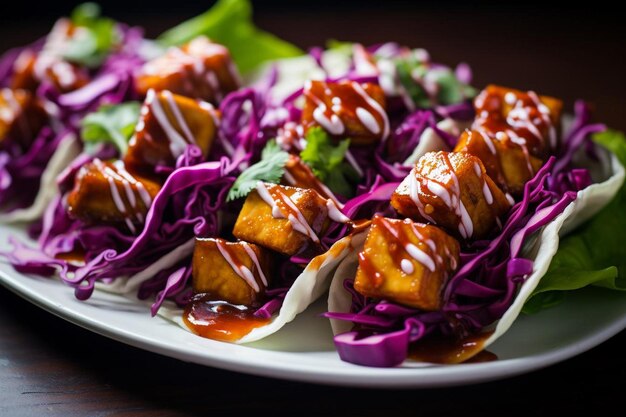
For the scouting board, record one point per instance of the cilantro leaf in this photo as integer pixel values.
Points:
(327, 161)
(111, 123)
(270, 168)
(90, 46)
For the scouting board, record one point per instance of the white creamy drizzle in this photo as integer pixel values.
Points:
(334, 213)
(375, 106)
(176, 141)
(298, 222)
(352, 161)
(252, 254)
(509, 198)
(368, 120)
(407, 266)
(486, 191)
(141, 190)
(544, 111)
(240, 270)
(466, 227)
(487, 140)
(333, 125)
(414, 188)
(522, 143)
(420, 256)
(178, 115)
(415, 252)
(123, 177)
(519, 116)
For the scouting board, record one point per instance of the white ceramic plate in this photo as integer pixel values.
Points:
(303, 350)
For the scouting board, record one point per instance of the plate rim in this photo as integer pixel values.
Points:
(348, 376)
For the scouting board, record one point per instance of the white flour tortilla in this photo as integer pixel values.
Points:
(588, 202)
(68, 149)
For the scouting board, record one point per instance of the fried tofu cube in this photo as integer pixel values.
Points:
(199, 69)
(346, 109)
(21, 116)
(406, 262)
(453, 191)
(284, 219)
(236, 272)
(506, 162)
(167, 125)
(107, 192)
(30, 68)
(531, 120)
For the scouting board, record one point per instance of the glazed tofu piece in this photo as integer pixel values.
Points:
(167, 125)
(406, 262)
(506, 162)
(284, 219)
(105, 192)
(30, 68)
(453, 191)
(199, 69)
(346, 109)
(530, 120)
(236, 272)
(21, 116)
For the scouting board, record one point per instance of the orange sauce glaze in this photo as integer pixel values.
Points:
(219, 320)
(451, 351)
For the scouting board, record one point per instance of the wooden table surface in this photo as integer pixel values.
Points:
(51, 367)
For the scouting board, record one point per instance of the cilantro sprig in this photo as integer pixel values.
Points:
(327, 161)
(270, 168)
(95, 41)
(111, 123)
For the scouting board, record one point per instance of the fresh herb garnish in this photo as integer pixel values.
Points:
(111, 123)
(326, 160)
(97, 37)
(270, 168)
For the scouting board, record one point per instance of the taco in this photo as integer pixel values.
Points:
(473, 230)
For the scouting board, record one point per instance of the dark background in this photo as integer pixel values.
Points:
(565, 50)
(50, 367)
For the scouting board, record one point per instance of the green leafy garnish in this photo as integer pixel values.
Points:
(327, 161)
(111, 123)
(595, 254)
(270, 168)
(90, 46)
(450, 89)
(229, 22)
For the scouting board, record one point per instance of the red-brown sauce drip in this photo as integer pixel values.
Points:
(452, 351)
(219, 320)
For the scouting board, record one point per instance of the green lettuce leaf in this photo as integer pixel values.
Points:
(111, 123)
(595, 254)
(229, 22)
